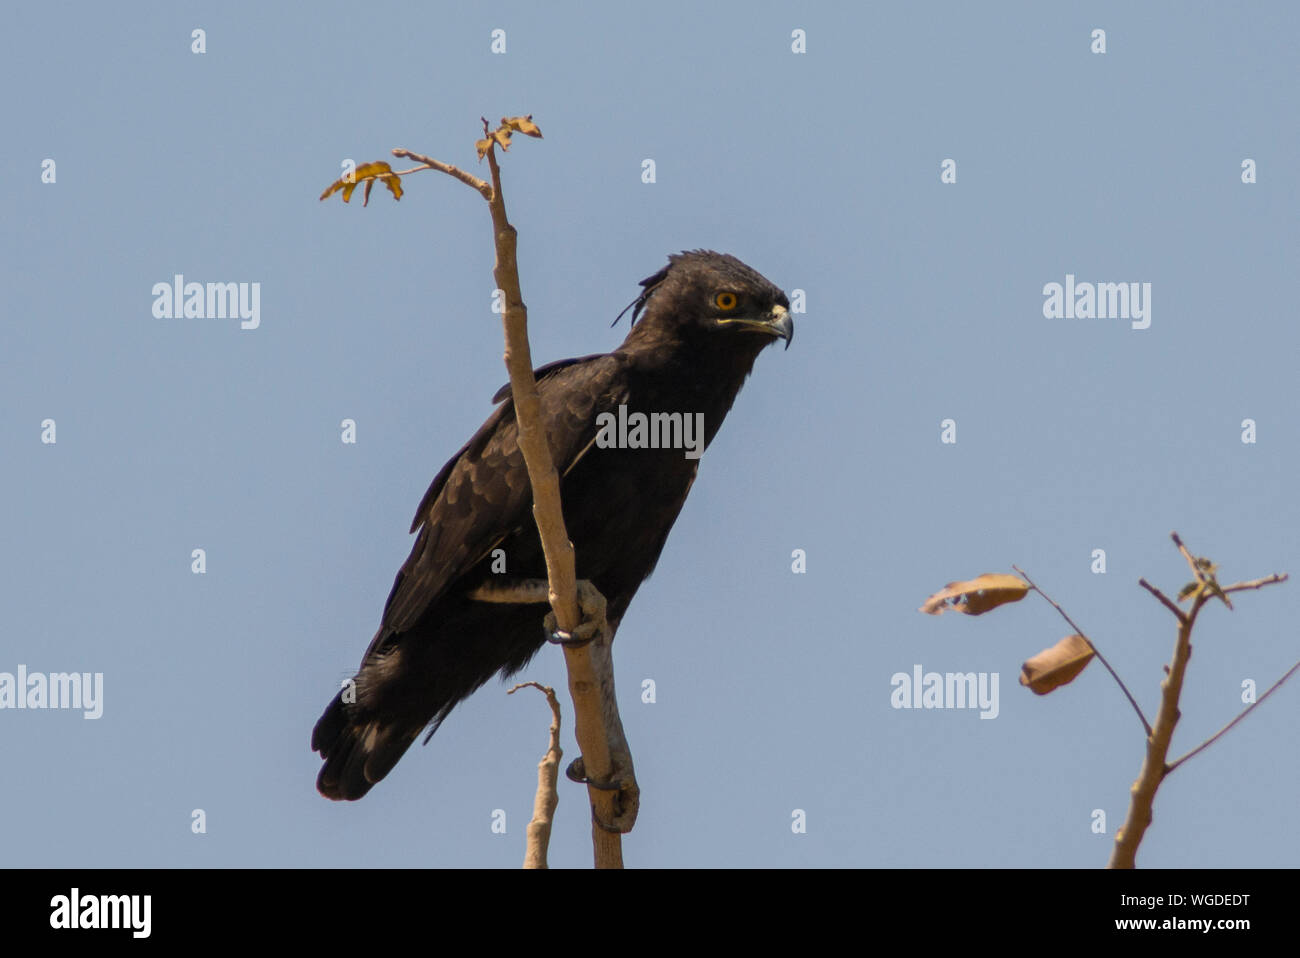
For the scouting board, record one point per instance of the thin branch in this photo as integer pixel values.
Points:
(414, 169)
(1179, 614)
(606, 760)
(1143, 793)
(1101, 658)
(1257, 583)
(560, 566)
(1250, 708)
(431, 164)
(1191, 560)
(585, 684)
(548, 773)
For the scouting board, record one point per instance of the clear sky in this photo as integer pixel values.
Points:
(924, 303)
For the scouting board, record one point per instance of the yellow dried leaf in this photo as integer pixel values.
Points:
(978, 595)
(365, 173)
(1057, 666)
(522, 124)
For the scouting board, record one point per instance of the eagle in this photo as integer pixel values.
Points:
(697, 327)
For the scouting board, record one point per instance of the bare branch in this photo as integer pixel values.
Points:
(1143, 793)
(1101, 658)
(429, 163)
(548, 773)
(585, 684)
(1250, 708)
(1179, 614)
(1257, 583)
(1191, 559)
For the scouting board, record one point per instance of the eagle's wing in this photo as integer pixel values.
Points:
(482, 495)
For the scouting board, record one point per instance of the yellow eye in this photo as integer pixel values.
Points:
(726, 301)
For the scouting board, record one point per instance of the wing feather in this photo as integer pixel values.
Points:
(483, 495)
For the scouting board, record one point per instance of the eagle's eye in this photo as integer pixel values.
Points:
(725, 301)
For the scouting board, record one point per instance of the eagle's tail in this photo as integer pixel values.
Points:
(410, 681)
(358, 752)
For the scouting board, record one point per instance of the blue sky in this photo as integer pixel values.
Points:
(925, 299)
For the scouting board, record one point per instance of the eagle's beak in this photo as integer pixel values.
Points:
(782, 325)
(775, 323)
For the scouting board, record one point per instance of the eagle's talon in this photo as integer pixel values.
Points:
(577, 772)
(618, 827)
(591, 605)
(627, 804)
(582, 635)
(560, 637)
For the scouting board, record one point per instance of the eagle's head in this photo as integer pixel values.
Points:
(709, 297)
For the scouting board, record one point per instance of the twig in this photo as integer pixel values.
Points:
(1250, 708)
(1179, 614)
(1191, 560)
(1101, 658)
(1257, 583)
(429, 163)
(548, 773)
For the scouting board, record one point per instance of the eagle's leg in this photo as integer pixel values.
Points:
(591, 605)
(512, 591)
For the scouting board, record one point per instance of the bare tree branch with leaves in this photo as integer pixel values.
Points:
(1063, 662)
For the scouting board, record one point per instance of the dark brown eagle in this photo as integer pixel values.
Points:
(703, 320)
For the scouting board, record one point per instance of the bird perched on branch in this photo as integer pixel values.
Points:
(697, 327)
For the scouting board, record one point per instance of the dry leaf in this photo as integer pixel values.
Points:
(501, 135)
(367, 173)
(1057, 666)
(522, 124)
(979, 595)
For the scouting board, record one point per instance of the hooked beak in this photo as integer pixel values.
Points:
(776, 323)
